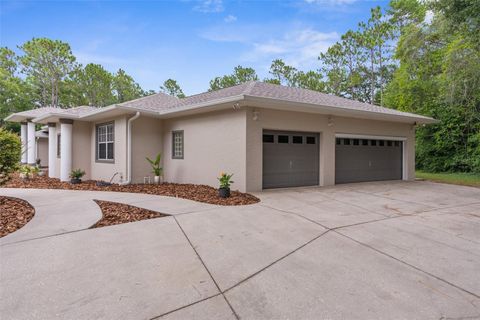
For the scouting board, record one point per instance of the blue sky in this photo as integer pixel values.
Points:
(190, 41)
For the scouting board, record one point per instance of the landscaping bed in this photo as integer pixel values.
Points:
(194, 192)
(118, 213)
(14, 214)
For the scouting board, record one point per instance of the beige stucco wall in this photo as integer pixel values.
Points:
(105, 170)
(42, 151)
(213, 142)
(146, 142)
(296, 121)
(81, 138)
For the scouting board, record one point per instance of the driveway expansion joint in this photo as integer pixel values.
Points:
(206, 268)
(408, 264)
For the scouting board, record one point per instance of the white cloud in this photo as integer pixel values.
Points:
(299, 48)
(230, 18)
(209, 6)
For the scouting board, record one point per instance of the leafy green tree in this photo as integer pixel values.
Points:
(439, 75)
(46, 63)
(125, 88)
(15, 95)
(172, 88)
(96, 85)
(240, 75)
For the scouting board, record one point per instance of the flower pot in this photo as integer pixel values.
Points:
(23, 176)
(156, 179)
(41, 173)
(224, 192)
(75, 181)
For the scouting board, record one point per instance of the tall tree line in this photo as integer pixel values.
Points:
(396, 58)
(415, 56)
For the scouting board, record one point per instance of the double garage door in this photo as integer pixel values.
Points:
(291, 159)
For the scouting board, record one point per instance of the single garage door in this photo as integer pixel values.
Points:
(358, 160)
(290, 159)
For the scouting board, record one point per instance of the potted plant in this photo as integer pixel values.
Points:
(156, 169)
(25, 172)
(225, 182)
(76, 176)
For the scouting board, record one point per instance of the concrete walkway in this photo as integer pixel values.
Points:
(390, 250)
(63, 211)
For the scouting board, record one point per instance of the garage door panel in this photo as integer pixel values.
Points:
(379, 160)
(290, 164)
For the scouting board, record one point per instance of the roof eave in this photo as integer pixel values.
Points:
(339, 111)
(206, 106)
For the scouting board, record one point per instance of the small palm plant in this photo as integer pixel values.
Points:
(156, 169)
(76, 176)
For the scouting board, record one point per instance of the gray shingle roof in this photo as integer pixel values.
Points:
(33, 113)
(163, 104)
(154, 102)
(264, 90)
(79, 111)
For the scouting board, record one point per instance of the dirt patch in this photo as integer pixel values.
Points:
(118, 213)
(14, 214)
(194, 192)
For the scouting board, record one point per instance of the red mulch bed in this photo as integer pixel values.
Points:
(118, 213)
(194, 192)
(14, 214)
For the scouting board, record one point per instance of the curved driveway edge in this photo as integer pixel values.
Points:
(63, 211)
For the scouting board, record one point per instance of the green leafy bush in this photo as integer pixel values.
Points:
(225, 180)
(77, 174)
(10, 152)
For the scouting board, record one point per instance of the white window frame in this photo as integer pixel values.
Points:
(107, 140)
(178, 144)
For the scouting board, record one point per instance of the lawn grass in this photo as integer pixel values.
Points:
(463, 179)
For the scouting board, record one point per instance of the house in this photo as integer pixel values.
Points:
(267, 135)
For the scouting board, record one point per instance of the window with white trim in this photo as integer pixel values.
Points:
(105, 142)
(177, 144)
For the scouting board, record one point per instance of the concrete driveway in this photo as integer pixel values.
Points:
(396, 250)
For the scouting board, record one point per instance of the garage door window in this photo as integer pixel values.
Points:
(310, 140)
(364, 142)
(268, 138)
(282, 139)
(297, 139)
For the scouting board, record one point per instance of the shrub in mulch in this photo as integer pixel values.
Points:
(194, 192)
(118, 213)
(14, 214)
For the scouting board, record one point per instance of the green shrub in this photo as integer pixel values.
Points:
(10, 152)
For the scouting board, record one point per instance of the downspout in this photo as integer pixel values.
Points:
(129, 149)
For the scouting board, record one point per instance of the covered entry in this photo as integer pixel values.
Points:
(360, 159)
(290, 159)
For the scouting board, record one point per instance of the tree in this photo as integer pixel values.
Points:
(240, 75)
(14, 93)
(46, 63)
(172, 88)
(282, 73)
(96, 85)
(439, 75)
(125, 88)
